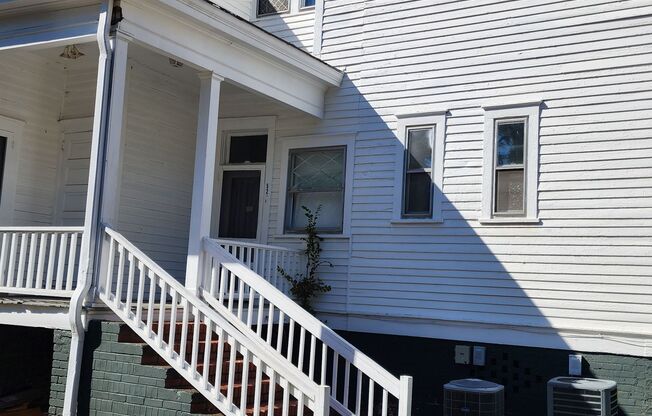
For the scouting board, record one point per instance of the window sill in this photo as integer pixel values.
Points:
(416, 221)
(323, 236)
(513, 220)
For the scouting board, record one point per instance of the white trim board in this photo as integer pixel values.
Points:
(307, 142)
(563, 339)
(12, 129)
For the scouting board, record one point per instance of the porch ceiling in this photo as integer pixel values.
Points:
(208, 38)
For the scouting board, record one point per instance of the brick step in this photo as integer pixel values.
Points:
(128, 335)
(151, 357)
(203, 406)
(177, 380)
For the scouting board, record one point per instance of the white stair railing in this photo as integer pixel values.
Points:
(264, 260)
(195, 339)
(358, 385)
(39, 261)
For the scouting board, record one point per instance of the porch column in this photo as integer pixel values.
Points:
(113, 161)
(202, 189)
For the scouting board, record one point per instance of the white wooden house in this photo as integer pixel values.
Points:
(483, 167)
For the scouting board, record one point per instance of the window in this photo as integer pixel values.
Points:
(316, 177)
(308, 3)
(266, 7)
(511, 160)
(10, 138)
(247, 149)
(419, 169)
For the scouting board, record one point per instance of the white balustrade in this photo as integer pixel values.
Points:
(39, 261)
(254, 305)
(264, 260)
(195, 339)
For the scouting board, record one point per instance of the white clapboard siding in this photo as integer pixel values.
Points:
(588, 264)
(158, 160)
(296, 28)
(241, 8)
(33, 91)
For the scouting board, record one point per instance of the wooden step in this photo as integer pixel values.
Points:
(177, 380)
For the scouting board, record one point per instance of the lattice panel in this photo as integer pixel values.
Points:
(272, 6)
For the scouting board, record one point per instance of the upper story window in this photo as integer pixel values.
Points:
(267, 7)
(307, 3)
(511, 147)
(316, 178)
(420, 167)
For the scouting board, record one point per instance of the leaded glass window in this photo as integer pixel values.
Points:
(266, 7)
(316, 179)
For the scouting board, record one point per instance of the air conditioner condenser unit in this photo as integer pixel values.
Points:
(576, 396)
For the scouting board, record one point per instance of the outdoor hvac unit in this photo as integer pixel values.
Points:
(571, 396)
(473, 397)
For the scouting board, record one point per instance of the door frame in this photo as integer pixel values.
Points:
(68, 126)
(228, 127)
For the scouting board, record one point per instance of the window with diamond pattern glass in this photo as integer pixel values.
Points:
(272, 6)
(316, 178)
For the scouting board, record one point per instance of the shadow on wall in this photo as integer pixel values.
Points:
(443, 272)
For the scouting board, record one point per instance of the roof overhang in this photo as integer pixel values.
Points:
(210, 38)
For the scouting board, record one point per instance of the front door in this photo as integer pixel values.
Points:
(240, 201)
(73, 178)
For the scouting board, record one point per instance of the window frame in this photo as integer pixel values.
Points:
(435, 120)
(529, 113)
(288, 192)
(316, 142)
(12, 129)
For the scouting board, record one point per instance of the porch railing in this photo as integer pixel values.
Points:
(264, 260)
(195, 339)
(39, 261)
(358, 385)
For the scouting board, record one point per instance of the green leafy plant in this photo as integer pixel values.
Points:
(306, 286)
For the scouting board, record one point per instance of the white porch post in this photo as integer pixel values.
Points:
(202, 189)
(113, 163)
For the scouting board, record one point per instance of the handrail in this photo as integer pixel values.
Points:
(117, 291)
(226, 241)
(227, 268)
(40, 261)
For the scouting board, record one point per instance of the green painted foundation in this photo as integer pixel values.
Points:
(523, 371)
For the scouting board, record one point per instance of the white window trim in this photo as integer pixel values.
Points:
(531, 112)
(309, 142)
(239, 126)
(405, 122)
(294, 7)
(12, 129)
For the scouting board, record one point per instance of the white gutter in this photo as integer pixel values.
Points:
(91, 218)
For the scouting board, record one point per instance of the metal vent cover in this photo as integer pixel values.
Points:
(473, 397)
(574, 396)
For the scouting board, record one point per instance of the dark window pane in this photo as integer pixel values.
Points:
(308, 3)
(509, 191)
(418, 194)
(509, 143)
(272, 6)
(248, 149)
(3, 154)
(420, 149)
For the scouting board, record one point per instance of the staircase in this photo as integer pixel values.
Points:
(240, 342)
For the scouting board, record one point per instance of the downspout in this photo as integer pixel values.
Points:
(91, 217)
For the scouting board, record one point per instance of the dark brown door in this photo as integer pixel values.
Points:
(239, 206)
